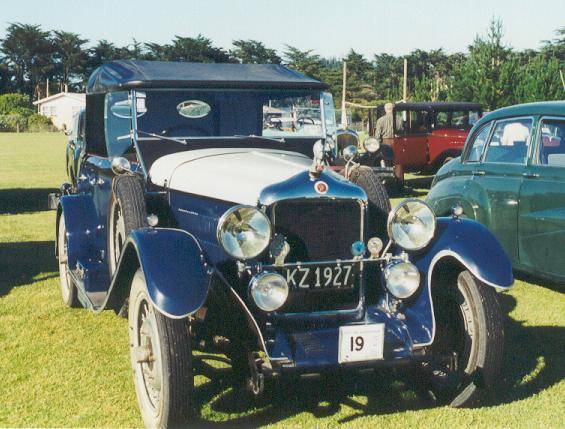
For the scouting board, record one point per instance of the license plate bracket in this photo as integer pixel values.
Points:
(360, 343)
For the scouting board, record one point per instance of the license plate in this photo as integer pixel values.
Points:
(361, 343)
(321, 277)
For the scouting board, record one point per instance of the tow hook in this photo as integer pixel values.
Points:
(255, 383)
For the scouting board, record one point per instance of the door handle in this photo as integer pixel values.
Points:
(478, 173)
(530, 175)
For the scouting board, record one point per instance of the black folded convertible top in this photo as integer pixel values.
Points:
(132, 74)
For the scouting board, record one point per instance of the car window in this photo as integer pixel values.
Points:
(292, 116)
(552, 143)
(118, 124)
(509, 141)
(411, 122)
(81, 125)
(478, 144)
(442, 120)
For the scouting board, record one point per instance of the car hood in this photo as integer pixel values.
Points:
(236, 175)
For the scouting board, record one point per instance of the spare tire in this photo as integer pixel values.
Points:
(127, 212)
(379, 203)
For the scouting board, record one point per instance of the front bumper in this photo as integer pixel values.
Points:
(384, 172)
(307, 349)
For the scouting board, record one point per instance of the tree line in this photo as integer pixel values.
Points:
(490, 73)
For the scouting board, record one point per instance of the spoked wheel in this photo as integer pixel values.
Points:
(68, 288)
(161, 358)
(127, 212)
(468, 344)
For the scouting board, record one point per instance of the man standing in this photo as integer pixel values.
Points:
(384, 128)
(384, 133)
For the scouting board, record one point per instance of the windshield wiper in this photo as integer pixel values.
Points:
(162, 137)
(253, 136)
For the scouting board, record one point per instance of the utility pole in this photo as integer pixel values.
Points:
(344, 84)
(47, 88)
(405, 83)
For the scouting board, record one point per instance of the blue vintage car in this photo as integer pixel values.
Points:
(200, 206)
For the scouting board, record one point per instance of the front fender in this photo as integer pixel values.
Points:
(474, 246)
(176, 272)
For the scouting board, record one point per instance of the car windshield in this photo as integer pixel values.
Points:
(197, 114)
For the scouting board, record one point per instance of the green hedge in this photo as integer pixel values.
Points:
(17, 123)
(17, 116)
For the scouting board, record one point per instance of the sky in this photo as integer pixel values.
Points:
(331, 28)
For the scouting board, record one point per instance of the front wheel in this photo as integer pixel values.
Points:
(468, 344)
(161, 358)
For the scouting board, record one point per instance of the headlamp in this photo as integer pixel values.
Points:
(412, 225)
(244, 232)
(269, 291)
(402, 279)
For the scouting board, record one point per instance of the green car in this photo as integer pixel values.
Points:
(511, 178)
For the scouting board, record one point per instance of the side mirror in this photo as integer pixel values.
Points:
(372, 145)
(120, 165)
(349, 153)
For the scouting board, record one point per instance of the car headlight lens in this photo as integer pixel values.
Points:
(269, 291)
(412, 225)
(244, 232)
(402, 279)
(372, 145)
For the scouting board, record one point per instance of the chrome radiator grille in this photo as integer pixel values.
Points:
(318, 230)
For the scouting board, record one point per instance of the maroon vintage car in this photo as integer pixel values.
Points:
(428, 134)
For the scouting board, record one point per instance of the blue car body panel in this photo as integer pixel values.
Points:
(474, 246)
(302, 186)
(176, 273)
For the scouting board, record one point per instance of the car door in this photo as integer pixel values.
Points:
(541, 224)
(494, 188)
(410, 144)
(451, 187)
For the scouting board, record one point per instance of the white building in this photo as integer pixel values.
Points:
(61, 108)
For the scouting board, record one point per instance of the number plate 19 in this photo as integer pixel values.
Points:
(361, 342)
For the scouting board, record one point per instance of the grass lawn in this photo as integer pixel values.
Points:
(63, 367)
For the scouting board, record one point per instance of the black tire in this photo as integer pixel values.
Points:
(68, 288)
(469, 323)
(379, 202)
(127, 212)
(161, 355)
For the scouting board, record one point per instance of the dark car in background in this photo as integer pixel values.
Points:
(511, 178)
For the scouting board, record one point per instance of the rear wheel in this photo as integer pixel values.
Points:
(468, 344)
(379, 203)
(127, 212)
(68, 288)
(161, 358)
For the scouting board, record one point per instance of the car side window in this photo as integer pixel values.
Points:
(80, 132)
(552, 143)
(477, 146)
(509, 141)
(412, 122)
(118, 124)
(400, 122)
